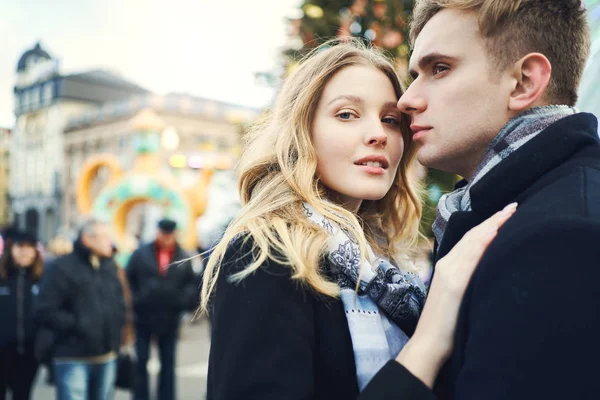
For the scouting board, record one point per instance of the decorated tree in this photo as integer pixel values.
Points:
(383, 23)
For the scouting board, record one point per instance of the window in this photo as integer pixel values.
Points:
(75, 164)
(26, 97)
(35, 97)
(48, 92)
(123, 143)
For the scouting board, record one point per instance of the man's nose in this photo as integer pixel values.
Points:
(412, 101)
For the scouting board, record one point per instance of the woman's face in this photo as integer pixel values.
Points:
(357, 137)
(23, 254)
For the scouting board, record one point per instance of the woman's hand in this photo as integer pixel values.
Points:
(432, 343)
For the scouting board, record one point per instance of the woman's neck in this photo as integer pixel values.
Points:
(349, 203)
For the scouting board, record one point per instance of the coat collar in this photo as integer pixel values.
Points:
(505, 182)
(149, 250)
(549, 149)
(85, 254)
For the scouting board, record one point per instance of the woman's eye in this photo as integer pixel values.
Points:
(439, 69)
(345, 115)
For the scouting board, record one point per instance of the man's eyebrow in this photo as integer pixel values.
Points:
(427, 61)
(350, 97)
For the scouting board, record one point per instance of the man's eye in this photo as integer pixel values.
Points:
(439, 69)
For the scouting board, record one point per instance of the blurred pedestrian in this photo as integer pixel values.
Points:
(59, 246)
(21, 268)
(163, 287)
(128, 332)
(81, 302)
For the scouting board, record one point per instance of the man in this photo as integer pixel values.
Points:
(494, 86)
(81, 303)
(162, 285)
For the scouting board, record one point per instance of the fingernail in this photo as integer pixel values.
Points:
(510, 208)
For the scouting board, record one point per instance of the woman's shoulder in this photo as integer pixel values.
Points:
(242, 251)
(268, 284)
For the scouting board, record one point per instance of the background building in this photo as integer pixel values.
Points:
(44, 101)
(5, 208)
(197, 134)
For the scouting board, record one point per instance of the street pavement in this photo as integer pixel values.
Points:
(192, 365)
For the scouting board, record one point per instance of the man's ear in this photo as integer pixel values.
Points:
(532, 75)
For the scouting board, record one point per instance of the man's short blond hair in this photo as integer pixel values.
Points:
(514, 28)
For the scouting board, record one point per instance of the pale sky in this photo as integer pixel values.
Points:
(208, 48)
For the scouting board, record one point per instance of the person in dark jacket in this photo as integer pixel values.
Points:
(21, 267)
(163, 286)
(288, 321)
(58, 246)
(81, 303)
(492, 100)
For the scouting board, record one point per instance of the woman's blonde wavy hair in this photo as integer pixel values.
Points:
(278, 172)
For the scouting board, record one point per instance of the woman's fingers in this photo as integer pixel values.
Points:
(455, 269)
(436, 327)
(472, 246)
(496, 220)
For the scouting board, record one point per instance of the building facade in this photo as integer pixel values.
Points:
(44, 101)
(5, 214)
(197, 133)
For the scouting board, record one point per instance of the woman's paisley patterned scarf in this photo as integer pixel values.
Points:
(384, 311)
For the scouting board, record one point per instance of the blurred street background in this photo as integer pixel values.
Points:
(192, 364)
(133, 111)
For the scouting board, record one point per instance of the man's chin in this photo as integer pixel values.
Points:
(426, 158)
(435, 161)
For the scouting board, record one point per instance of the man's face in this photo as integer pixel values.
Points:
(457, 102)
(99, 242)
(165, 240)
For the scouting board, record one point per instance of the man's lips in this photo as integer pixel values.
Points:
(419, 131)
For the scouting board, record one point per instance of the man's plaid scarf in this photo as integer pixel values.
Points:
(513, 135)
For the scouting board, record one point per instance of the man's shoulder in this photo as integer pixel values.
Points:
(545, 245)
(63, 268)
(144, 248)
(181, 253)
(64, 262)
(572, 189)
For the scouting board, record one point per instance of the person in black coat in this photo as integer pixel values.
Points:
(527, 328)
(163, 286)
(81, 306)
(21, 267)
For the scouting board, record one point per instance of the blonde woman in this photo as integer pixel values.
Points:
(309, 290)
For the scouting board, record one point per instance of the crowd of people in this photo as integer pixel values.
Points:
(78, 313)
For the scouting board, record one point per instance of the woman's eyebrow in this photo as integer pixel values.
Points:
(350, 97)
